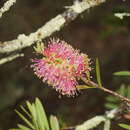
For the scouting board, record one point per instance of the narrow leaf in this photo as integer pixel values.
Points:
(41, 115)
(25, 111)
(111, 105)
(98, 73)
(29, 106)
(123, 90)
(83, 87)
(25, 120)
(54, 123)
(127, 127)
(34, 115)
(128, 91)
(32, 110)
(112, 99)
(122, 73)
(88, 75)
(22, 127)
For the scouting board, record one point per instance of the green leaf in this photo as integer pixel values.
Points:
(25, 120)
(128, 92)
(98, 73)
(22, 127)
(122, 73)
(26, 111)
(88, 75)
(34, 115)
(83, 87)
(37, 116)
(111, 105)
(112, 99)
(29, 106)
(32, 110)
(54, 123)
(125, 126)
(122, 90)
(42, 119)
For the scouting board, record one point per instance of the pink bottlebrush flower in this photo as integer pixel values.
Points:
(61, 66)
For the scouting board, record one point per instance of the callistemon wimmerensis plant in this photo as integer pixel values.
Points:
(61, 66)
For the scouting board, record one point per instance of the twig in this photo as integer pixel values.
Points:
(6, 6)
(91, 83)
(122, 15)
(107, 124)
(50, 27)
(95, 121)
(10, 58)
(91, 123)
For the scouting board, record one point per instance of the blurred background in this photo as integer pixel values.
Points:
(96, 32)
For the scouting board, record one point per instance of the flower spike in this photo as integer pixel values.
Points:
(61, 66)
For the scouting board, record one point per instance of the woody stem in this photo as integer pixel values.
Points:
(95, 85)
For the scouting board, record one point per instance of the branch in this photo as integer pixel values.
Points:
(6, 6)
(95, 121)
(92, 123)
(10, 58)
(122, 15)
(55, 24)
(107, 124)
(108, 91)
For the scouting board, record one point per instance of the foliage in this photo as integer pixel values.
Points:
(125, 126)
(38, 118)
(98, 73)
(122, 73)
(113, 102)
